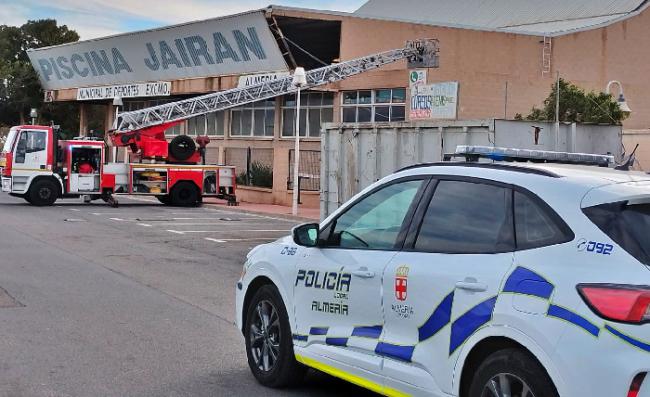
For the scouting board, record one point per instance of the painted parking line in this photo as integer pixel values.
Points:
(230, 240)
(226, 231)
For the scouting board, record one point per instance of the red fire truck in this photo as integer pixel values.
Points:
(38, 167)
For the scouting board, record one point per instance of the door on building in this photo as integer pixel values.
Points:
(338, 285)
(442, 287)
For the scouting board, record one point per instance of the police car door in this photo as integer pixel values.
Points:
(442, 287)
(337, 288)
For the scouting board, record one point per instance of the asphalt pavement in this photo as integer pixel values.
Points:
(129, 301)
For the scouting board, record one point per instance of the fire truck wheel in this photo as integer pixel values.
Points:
(164, 199)
(43, 192)
(182, 147)
(184, 194)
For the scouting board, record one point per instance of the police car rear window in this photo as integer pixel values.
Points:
(627, 225)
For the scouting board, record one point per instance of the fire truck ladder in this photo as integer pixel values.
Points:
(419, 53)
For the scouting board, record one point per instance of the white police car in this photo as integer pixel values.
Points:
(464, 279)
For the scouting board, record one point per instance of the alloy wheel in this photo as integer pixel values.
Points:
(265, 336)
(507, 385)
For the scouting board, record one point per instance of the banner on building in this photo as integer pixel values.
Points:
(159, 88)
(232, 45)
(434, 101)
(253, 79)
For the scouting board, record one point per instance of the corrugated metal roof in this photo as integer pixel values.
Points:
(517, 16)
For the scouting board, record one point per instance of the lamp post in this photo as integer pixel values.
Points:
(33, 114)
(299, 81)
(622, 103)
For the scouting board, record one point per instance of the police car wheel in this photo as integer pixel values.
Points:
(269, 344)
(511, 373)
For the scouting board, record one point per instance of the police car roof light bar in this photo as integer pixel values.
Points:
(474, 153)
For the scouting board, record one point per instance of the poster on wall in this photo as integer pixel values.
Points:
(417, 78)
(434, 101)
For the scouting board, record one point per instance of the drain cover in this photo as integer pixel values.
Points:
(7, 301)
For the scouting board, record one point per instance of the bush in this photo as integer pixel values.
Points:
(261, 175)
(578, 106)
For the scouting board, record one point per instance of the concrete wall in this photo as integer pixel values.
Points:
(355, 156)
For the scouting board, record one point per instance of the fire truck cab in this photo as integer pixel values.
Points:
(37, 166)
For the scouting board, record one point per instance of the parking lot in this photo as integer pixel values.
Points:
(129, 301)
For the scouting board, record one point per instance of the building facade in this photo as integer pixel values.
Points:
(499, 68)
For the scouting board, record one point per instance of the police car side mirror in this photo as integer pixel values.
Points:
(306, 235)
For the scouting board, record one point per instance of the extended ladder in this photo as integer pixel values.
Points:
(419, 53)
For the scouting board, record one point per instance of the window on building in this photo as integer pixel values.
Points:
(208, 124)
(316, 108)
(378, 106)
(256, 119)
(467, 218)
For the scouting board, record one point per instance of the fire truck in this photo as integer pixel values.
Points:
(41, 168)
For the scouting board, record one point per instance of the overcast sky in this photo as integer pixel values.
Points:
(97, 18)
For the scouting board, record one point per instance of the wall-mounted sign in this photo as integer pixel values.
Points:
(230, 45)
(252, 79)
(48, 96)
(417, 78)
(159, 88)
(434, 101)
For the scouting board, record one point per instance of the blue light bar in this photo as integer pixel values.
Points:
(472, 152)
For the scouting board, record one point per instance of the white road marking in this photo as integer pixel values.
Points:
(172, 223)
(227, 231)
(144, 224)
(117, 219)
(215, 240)
(74, 209)
(226, 240)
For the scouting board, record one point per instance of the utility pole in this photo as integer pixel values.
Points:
(557, 113)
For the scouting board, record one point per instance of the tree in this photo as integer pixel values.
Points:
(577, 106)
(20, 88)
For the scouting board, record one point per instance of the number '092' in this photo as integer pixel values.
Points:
(600, 248)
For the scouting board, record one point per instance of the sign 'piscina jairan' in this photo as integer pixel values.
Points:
(230, 45)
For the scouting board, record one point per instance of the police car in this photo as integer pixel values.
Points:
(466, 279)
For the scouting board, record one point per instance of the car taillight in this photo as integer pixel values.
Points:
(623, 303)
(6, 158)
(635, 387)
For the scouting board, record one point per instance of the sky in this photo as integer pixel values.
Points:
(98, 18)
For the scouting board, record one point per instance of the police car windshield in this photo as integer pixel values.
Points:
(10, 141)
(628, 225)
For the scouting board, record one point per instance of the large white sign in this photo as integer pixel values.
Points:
(159, 88)
(434, 101)
(253, 79)
(236, 44)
